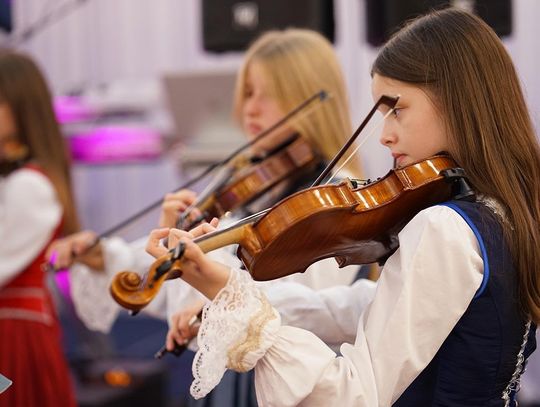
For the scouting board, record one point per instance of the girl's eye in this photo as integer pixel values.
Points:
(248, 92)
(396, 111)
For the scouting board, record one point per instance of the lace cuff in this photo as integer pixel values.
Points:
(237, 329)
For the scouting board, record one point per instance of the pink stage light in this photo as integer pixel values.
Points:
(71, 109)
(116, 143)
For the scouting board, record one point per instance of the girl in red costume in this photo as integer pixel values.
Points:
(35, 207)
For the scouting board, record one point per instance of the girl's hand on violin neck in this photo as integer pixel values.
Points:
(156, 249)
(198, 270)
(174, 204)
(203, 274)
(62, 253)
(183, 326)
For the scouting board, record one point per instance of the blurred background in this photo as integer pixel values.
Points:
(143, 89)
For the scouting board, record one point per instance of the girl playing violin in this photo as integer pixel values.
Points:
(453, 319)
(277, 75)
(36, 206)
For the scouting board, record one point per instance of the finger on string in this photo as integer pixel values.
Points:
(154, 246)
(175, 235)
(192, 251)
(202, 229)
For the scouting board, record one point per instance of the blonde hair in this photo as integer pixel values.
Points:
(298, 63)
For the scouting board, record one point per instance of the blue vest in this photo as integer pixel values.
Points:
(477, 361)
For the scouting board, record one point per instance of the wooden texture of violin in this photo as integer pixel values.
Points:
(251, 182)
(356, 226)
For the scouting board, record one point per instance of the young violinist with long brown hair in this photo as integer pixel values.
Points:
(36, 206)
(455, 312)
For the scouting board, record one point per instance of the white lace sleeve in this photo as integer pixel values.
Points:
(237, 329)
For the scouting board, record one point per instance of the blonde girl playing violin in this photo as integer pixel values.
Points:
(453, 319)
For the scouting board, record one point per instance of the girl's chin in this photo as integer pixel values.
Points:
(402, 161)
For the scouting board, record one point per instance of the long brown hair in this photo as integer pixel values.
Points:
(24, 90)
(298, 63)
(459, 61)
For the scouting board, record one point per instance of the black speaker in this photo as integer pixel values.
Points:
(231, 25)
(6, 22)
(384, 17)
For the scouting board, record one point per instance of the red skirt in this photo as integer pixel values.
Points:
(31, 356)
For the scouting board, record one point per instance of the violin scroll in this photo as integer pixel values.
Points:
(133, 292)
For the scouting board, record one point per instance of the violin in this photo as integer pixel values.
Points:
(354, 224)
(248, 182)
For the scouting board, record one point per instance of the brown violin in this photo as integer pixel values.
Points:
(354, 224)
(245, 183)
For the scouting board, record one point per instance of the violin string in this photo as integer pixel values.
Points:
(359, 145)
(218, 181)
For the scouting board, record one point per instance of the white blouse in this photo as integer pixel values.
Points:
(424, 289)
(29, 214)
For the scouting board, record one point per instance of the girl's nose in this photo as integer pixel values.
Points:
(252, 106)
(387, 137)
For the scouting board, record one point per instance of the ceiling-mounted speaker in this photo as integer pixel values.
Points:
(6, 22)
(231, 25)
(384, 17)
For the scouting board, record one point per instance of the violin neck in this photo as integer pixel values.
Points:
(219, 240)
(234, 234)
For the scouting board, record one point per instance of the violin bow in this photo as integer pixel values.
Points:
(389, 101)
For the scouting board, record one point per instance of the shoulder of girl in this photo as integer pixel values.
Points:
(29, 180)
(438, 216)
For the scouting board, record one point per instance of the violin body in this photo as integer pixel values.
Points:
(250, 183)
(354, 225)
